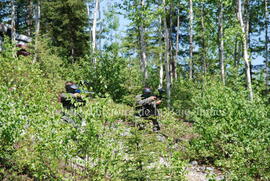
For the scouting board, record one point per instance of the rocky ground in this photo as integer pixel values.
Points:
(194, 171)
(197, 172)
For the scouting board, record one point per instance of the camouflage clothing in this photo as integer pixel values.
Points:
(147, 108)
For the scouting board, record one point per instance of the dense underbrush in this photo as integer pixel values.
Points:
(101, 142)
(234, 132)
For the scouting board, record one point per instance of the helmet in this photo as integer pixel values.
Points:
(71, 87)
(147, 91)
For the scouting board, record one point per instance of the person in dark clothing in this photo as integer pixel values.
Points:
(72, 98)
(147, 107)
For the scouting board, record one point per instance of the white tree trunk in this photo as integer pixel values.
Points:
(221, 42)
(100, 25)
(246, 20)
(143, 49)
(37, 29)
(167, 63)
(203, 39)
(190, 39)
(172, 57)
(13, 25)
(90, 32)
(13, 18)
(266, 46)
(94, 27)
(177, 44)
(1, 44)
(161, 70)
(245, 49)
(30, 18)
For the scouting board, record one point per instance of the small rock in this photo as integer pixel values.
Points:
(202, 168)
(126, 132)
(194, 163)
(161, 138)
(219, 178)
(164, 162)
(210, 169)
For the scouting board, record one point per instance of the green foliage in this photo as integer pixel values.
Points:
(65, 23)
(102, 141)
(99, 143)
(233, 131)
(26, 103)
(182, 93)
(108, 76)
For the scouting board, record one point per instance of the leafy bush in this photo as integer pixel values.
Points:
(100, 143)
(28, 104)
(106, 77)
(182, 93)
(234, 132)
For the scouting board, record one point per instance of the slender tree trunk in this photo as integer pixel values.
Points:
(221, 41)
(1, 44)
(236, 53)
(161, 70)
(167, 63)
(94, 28)
(13, 24)
(245, 49)
(37, 29)
(90, 32)
(203, 41)
(13, 20)
(172, 58)
(177, 44)
(246, 20)
(100, 25)
(190, 39)
(30, 18)
(266, 45)
(143, 49)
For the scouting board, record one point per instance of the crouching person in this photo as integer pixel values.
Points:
(71, 100)
(146, 107)
(72, 97)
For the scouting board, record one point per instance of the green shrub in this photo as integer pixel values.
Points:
(37, 143)
(234, 132)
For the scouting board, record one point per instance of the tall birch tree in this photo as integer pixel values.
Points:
(245, 48)
(221, 40)
(190, 39)
(37, 28)
(13, 20)
(13, 23)
(161, 69)
(266, 23)
(143, 45)
(166, 55)
(94, 27)
(177, 43)
(30, 17)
